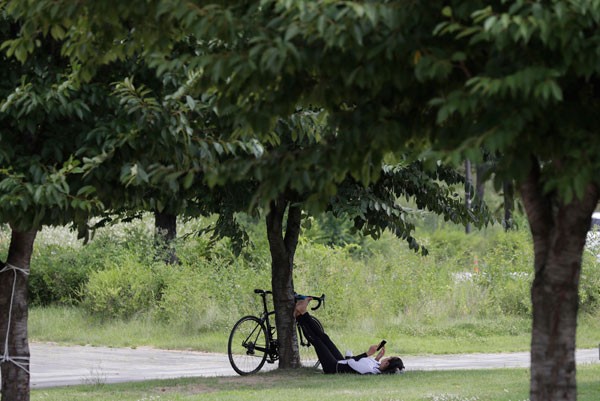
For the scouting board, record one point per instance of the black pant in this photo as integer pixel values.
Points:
(327, 352)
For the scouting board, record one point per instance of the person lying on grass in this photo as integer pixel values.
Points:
(331, 358)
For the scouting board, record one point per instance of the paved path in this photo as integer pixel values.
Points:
(54, 365)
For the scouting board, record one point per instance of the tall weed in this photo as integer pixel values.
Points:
(471, 277)
(210, 295)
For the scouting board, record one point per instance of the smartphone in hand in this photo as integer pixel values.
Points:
(381, 344)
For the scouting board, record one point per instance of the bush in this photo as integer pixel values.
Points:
(60, 267)
(57, 276)
(122, 290)
(453, 247)
(589, 287)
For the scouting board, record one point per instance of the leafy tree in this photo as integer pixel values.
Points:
(70, 151)
(311, 172)
(303, 144)
(150, 134)
(42, 116)
(519, 78)
(306, 149)
(294, 176)
(536, 58)
(259, 62)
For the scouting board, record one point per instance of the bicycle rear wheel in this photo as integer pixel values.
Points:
(248, 345)
(308, 355)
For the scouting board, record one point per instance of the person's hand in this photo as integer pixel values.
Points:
(372, 349)
(380, 354)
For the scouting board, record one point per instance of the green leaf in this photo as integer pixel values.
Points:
(291, 32)
(86, 190)
(556, 90)
(57, 32)
(190, 102)
(188, 180)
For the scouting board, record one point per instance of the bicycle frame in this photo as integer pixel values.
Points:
(272, 345)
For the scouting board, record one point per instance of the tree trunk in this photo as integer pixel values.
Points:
(482, 171)
(13, 318)
(559, 232)
(165, 231)
(283, 248)
(509, 204)
(468, 191)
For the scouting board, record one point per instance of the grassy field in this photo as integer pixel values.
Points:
(305, 385)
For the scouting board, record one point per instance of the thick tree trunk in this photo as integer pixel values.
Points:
(283, 248)
(165, 230)
(13, 317)
(559, 232)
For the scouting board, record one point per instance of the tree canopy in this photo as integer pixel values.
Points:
(43, 114)
(433, 80)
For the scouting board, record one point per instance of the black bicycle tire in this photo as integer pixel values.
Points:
(232, 356)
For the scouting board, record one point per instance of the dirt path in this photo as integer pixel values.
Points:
(55, 365)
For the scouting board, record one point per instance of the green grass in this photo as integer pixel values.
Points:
(484, 385)
(70, 325)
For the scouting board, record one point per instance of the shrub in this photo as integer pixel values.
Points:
(589, 287)
(57, 276)
(122, 290)
(331, 270)
(60, 267)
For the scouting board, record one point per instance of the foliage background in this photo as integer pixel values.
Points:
(475, 285)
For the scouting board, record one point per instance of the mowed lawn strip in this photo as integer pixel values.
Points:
(303, 385)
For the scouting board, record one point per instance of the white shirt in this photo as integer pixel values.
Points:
(364, 366)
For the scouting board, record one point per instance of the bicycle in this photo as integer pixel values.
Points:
(253, 341)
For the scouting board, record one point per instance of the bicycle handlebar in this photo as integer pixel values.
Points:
(320, 300)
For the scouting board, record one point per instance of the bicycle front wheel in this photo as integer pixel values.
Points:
(248, 345)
